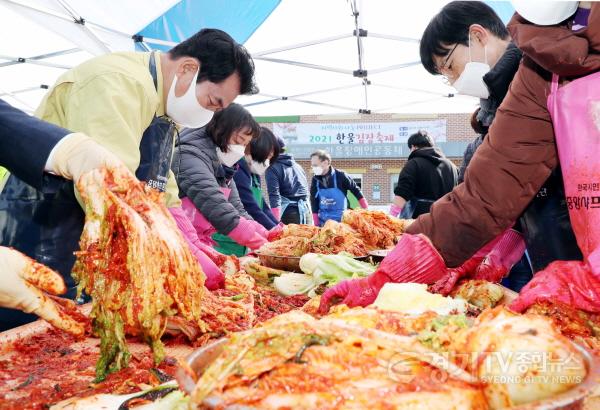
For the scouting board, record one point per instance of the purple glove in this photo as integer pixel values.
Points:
(414, 259)
(395, 210)
(246, 234)
(215, 279)
(316, 218)
(363, 203)
(500, 260)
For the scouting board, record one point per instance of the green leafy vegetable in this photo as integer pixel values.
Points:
(436, 334)
(332, 269)
(290, 284)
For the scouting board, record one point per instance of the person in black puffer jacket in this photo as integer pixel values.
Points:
(427, 176)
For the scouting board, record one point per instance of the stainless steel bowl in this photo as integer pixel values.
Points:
(572, 399)
(378, 254)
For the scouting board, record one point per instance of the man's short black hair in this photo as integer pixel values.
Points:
(262, 147)
(451, 26)
(229, 120)
(219, 56)
(420, 139)
(322, 155)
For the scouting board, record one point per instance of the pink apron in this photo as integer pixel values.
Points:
(204, 228)
(575, 112)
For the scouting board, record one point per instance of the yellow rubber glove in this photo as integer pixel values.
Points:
(23, 281)
(77, 153)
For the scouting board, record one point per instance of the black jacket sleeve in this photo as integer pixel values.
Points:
(244, 187)
(349, 185)
(26, 143)
(407, 181)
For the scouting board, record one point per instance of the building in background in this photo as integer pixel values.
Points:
(371, 148)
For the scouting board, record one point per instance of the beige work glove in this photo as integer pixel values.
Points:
(78, 154)
(23, 281)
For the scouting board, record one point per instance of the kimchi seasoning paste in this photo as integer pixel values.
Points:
(52, 366)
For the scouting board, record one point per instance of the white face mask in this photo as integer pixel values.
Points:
(186, 110)
(258, 167)
(470, 81)
(234, 154)
(317, 170)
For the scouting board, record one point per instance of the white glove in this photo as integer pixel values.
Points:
(76, 154)
(22, 279)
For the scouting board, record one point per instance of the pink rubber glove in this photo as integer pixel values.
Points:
(395, 210)
(316, 218)
(363, 203)
(246, 234)
(275, 232)
(215, 279)
(276, 213)
(261, 230)
(570, 282)
(445, 285)
(493, 260)
(414, 259)
(507, 251)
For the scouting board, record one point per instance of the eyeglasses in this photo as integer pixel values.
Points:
(443, 67)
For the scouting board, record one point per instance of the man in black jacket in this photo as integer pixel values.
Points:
(427, 176)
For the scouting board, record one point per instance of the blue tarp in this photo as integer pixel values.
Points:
(239, 18)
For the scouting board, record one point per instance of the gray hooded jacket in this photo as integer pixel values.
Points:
(200, 177)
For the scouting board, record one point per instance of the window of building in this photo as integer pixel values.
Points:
(358, 179)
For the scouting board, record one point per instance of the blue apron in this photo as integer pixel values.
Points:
(332, 202)
(46, 225)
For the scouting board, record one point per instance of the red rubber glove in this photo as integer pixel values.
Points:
(491, 263)
(570, 282)
(498, 263)
(414, 259)
(247, 233)
(275, 232)
(215, 279)
(445, 285)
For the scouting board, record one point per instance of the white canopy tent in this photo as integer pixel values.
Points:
(42, 38)
(308, 60)
(306, 52)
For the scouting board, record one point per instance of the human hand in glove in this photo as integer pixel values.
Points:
(22, 287)
(414, 259)
(570, 282)
(275, 232)
(507, 251)
(246, 233)
(76, 154)
(215, 279)
(491, 263)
